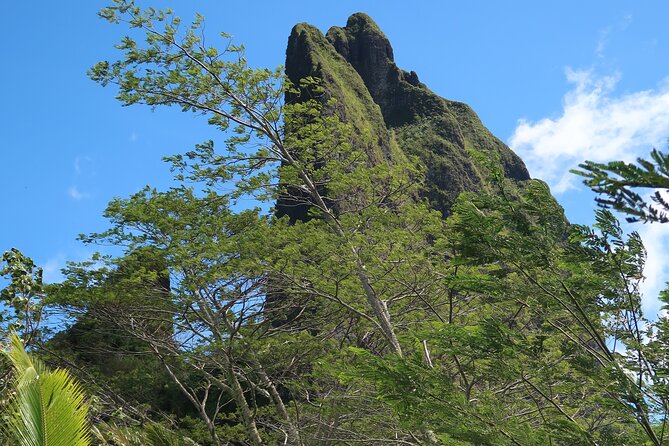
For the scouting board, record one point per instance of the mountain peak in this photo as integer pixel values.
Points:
(393, 114)
(362, 35)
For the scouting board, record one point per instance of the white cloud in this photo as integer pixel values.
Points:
(605, 34)
(602, 41)
(595, 124)
(51, 269)
(133, 136)
(83, 165)
(76, 194)
(84, 169)
(656, 241)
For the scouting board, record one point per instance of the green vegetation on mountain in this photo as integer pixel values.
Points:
(356, 64)
(310, 55)
(402, 281)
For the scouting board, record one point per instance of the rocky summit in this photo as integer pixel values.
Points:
(392, 113)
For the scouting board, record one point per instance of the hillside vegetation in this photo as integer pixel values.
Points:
(410, 284)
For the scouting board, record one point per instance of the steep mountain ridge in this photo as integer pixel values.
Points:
(393, 114)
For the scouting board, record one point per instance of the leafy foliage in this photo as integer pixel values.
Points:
(48, 407)
(20, 300)
(523, 353)
(617, 182)
(354, 313)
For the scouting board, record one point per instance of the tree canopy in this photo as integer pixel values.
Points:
(371, 318)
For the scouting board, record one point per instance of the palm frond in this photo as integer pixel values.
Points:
(48, 407)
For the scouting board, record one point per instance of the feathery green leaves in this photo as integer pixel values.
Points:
(48, 407)
(616, 180)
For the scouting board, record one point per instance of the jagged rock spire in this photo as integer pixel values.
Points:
(368, 50)
(393, 114)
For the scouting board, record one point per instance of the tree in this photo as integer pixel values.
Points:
(273, 150)
(490, 328)
(20, 310)
(20, 307)
(185, 73)
(546, 343)
(47, 408)
(617, 181)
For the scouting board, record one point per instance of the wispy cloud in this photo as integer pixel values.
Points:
(51, 269)
(602, 41)
(605, 34)
(656, 241)
(83, 169)
(83, 164)
(595, 124)
(133, 136)
(76, 194)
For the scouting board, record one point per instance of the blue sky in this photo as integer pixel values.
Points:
(560, 82)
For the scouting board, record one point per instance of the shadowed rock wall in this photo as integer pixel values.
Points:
(392, 113)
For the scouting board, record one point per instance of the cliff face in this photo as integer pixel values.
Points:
(392, 112)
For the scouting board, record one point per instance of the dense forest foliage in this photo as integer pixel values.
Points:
(374, 318)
